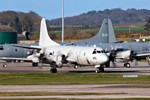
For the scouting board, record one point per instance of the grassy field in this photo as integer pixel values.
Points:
(120, 29)
(68, 78)
(127, 29)
(117, 29)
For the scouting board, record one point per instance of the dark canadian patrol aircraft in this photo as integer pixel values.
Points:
(123, 52)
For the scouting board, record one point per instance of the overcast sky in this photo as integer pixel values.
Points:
(51, 9)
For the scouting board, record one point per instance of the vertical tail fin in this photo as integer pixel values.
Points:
(106, 33)
(45, 40)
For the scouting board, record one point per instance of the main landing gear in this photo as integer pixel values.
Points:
(99, 69)
(4, 65)
(53, 70)
(127, 65)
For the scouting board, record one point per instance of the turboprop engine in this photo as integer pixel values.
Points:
(58, 60)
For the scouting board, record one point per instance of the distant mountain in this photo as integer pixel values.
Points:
(118, 16)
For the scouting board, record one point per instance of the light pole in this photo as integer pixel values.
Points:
(62, 21)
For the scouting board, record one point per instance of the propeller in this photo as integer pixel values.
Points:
(112, 55)
(37, 56)
(68, 56)
(63, 57)
(133, 57)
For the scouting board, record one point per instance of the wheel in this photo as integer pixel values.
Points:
(127, 65)
(124, 64)
(97, 70)
(107, 64)
(101, 69)
(53, 70)
(76, 67)
(148, 60)
(4, 65)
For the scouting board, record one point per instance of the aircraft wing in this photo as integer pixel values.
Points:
(27, 46)
(143, 55)
(71, 60)
(15, 59)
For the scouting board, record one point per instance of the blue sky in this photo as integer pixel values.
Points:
(51, 9)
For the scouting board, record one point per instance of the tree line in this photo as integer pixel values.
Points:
(117, 15)
(30, 21)
(21, 21)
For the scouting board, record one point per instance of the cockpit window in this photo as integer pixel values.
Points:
(103, 51)
(94, 52)
(98, 51)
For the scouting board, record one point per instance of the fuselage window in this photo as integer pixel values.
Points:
(1, 48)
(94, 58)
(98, 51)
(16, 50)
(50, 53)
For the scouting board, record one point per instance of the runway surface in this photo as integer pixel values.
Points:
(115, 90)
(141, 69)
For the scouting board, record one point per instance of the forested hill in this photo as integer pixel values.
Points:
(30, 21)
(118, 16)
(21, 21)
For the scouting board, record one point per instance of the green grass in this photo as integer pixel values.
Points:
(68, 78)
(125, 29)
(117, 29)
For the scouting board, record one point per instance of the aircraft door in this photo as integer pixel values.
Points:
(82, 58)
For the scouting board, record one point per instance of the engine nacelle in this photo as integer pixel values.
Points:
(57, 60)
(33, 58)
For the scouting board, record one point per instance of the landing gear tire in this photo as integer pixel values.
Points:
(107, 64)
(53, 67)
(99, 69)
(4, 65)
(75, 67)
(127, 65)
(53, 70)
(148, 60)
